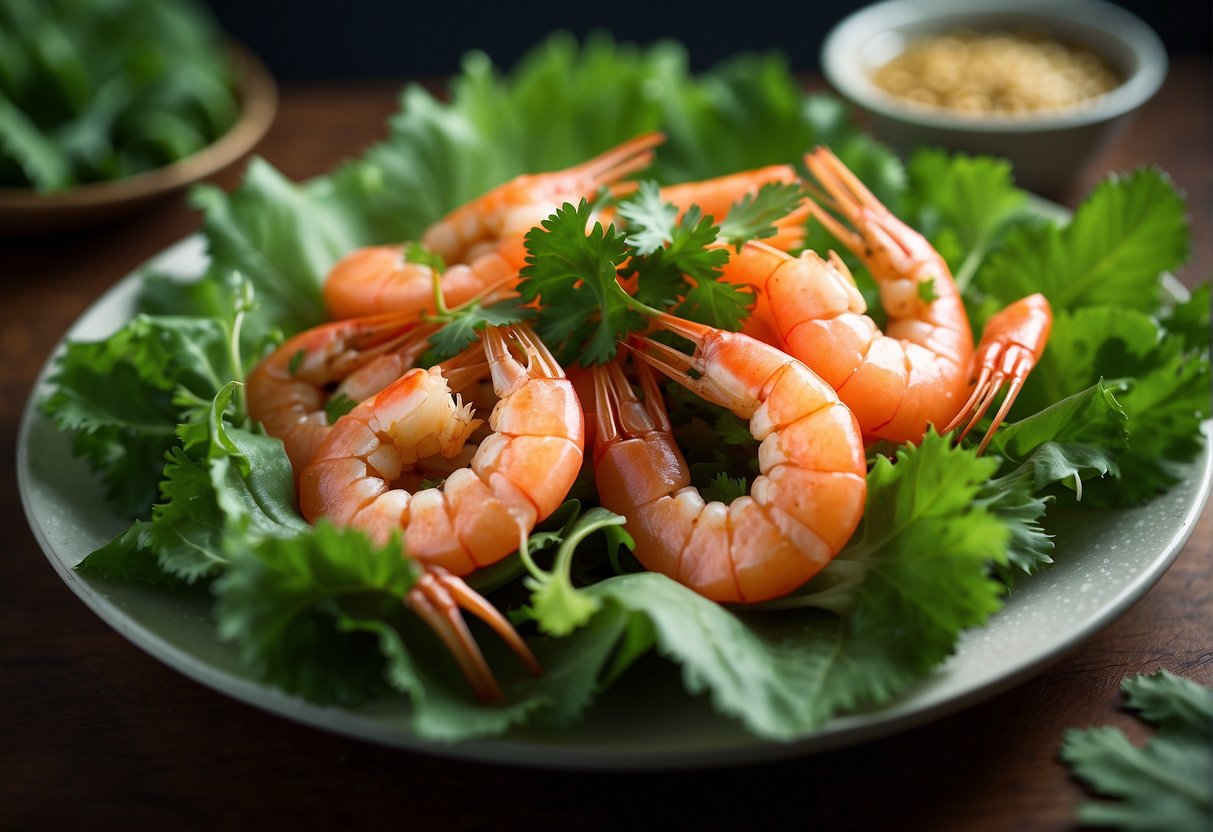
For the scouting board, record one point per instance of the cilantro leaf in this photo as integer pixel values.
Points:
(279, 597)
(573, 275)
(725, 489)
(718, 304)
(461, 326)
(925, 541)
(1163, 784)
(681, 258)
(753, 217)
(1122, 237)
(650, 221)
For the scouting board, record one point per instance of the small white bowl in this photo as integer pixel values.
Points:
(1047, 149)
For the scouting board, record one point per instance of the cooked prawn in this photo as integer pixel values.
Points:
(481, 242)
(916, 372)
(517, 476)
(801, 509)
(896, 382)
(287, 392)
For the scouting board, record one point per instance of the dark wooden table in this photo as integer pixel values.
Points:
(94, 731)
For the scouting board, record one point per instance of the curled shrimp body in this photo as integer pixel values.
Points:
(517, 476)
(288, 390)
(925, 310)
(918, 370)
(896, 382)
(481, 242)
(801, 509)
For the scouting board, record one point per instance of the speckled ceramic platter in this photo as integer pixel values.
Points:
(1105, 562)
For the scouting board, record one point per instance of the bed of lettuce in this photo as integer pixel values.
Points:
(1108, 419)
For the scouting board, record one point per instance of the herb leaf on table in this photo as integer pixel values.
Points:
(1165, 784)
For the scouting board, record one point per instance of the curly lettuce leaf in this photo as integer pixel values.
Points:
(605, 91)
(121, 398)
(220, 478)
(1166, 406)
(1161, 386)
(1189, 319)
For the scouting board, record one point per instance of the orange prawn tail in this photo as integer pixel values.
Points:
(1013, 341)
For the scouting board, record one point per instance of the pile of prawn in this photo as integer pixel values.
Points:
(811, 373)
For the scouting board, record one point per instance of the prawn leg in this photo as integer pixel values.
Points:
(438, 599)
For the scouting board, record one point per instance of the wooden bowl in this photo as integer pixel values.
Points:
(23, 211)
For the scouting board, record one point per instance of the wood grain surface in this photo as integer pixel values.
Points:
(95, 732)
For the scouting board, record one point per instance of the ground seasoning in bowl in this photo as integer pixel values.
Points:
(1044, 84)
(996, 73)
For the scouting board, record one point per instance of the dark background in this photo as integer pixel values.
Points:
(347, 39)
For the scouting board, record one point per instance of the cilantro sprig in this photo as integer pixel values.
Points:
(1163, 784)
(573, 275)
(673, 262)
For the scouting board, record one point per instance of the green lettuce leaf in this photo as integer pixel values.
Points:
(282, 237)
(321, 616)
(209, 488)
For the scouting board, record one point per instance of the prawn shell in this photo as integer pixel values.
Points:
(802, 508)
